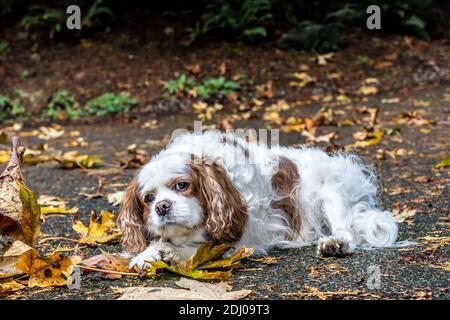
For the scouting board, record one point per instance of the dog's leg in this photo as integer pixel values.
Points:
(156, 251)
(340, 242)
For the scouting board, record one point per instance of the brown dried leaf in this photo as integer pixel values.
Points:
(19, 211)
(193, 290)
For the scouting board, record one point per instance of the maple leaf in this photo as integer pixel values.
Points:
(53, 270)
(104, 231)
(19, 211)
(199, 265)
(193, 290)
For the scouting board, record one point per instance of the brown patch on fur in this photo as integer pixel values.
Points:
(284, 182)
(226, 212)
(131, 220)
(189, 192)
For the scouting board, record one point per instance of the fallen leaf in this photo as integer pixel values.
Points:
(198, 266)
(367, 90)
(19, 210)
(73, 159)
(46, 200)
(104, 231)
(51, 210)
(445, 163)
(390, 101)
(50, 271)
(302, 79)
(193, 290)
(53, 132)
(107, 262)
(376, 138)
(403, 215)
(9, 259)
(322, 59)
(10, 285)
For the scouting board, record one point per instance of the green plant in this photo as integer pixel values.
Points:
(311, 36)
(4, 46)
(217, 86)
(181, 84)
(53, 20)
(242, 19)
(63, 106)
(397, 15)
(208, 88)
(10, 109)
(110, 103)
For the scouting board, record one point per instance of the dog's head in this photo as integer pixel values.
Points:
(181, 195)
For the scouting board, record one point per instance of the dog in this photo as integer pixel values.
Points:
(214, 186)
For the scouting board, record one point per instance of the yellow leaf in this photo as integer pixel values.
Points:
(303, 79)
(104, 231)
(11, 285)
(53, 270)
(198, 266)
(367, 90)
(9, 259)
(273, 117)
(4, 156)
(49, 210)
(445, 163)
(73, 159)
(362, 144)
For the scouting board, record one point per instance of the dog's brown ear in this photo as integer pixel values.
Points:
(130, 220)
(225, 210)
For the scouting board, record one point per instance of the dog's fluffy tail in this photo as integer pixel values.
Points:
(374, 228)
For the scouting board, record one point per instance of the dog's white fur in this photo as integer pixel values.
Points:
(336, 197)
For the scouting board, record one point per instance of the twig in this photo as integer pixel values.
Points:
(57, 238)
(108, 271)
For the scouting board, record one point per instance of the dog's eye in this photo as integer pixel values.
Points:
(148, 198)
(181, 186)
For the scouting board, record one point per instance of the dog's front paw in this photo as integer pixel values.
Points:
(160, 252)
(333, 247)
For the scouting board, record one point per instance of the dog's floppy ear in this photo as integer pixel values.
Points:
(226, 212)
(131, 221)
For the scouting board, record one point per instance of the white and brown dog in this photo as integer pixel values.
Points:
(213, 186)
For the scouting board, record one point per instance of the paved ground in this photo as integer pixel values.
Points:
(410, 183)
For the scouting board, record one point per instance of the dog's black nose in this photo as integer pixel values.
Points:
(162, 207)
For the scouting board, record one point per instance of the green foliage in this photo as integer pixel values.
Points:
(53, 20)
(210, 87)
(10, 109)
(4, 46)
(63, 106)
(241, 19)
(396, 15)
(110, 103)
(181, 84)
(319, 37)
(5, 7)
(216, 87)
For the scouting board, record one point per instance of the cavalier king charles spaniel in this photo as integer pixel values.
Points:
(219, 187)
